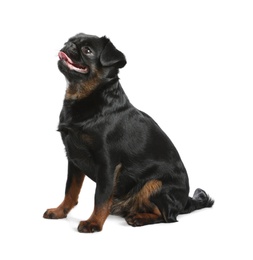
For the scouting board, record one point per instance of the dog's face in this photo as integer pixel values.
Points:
(86, 57)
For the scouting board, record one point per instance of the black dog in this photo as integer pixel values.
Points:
(138, 172)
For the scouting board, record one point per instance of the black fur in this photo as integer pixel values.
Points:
(102, 130)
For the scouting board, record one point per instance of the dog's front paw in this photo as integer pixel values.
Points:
(89, 227)
(55, 213)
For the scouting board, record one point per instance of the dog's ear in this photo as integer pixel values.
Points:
(110, 56)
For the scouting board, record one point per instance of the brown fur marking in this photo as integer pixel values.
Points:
(140, 201)
(87, 138)
(148, 189)
(84, 88)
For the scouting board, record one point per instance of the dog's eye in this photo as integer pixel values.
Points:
(86, 50)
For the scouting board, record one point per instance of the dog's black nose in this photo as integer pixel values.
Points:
(71, 49)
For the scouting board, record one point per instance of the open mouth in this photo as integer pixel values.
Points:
(71, 65)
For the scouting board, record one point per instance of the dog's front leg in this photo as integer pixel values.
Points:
(73, 187)
(103, 201)
(96, 221)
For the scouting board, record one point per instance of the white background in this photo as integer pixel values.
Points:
(189, 66)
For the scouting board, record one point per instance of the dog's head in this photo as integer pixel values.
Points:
(86, 59)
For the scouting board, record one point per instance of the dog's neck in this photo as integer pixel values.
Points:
(80, 90)
(106, 99)
(83, 89)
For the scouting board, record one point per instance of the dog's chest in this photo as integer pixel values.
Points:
(79, 147)
(82, 137)
(75, 136)
(85, 135)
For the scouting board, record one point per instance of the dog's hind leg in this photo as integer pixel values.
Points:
(170, 201)
(73, 187)
(141, 210)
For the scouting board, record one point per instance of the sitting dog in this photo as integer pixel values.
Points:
(138, 172)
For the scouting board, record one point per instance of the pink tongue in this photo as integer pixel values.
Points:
(64, 56)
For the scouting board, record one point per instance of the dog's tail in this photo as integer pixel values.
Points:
(199, 200)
